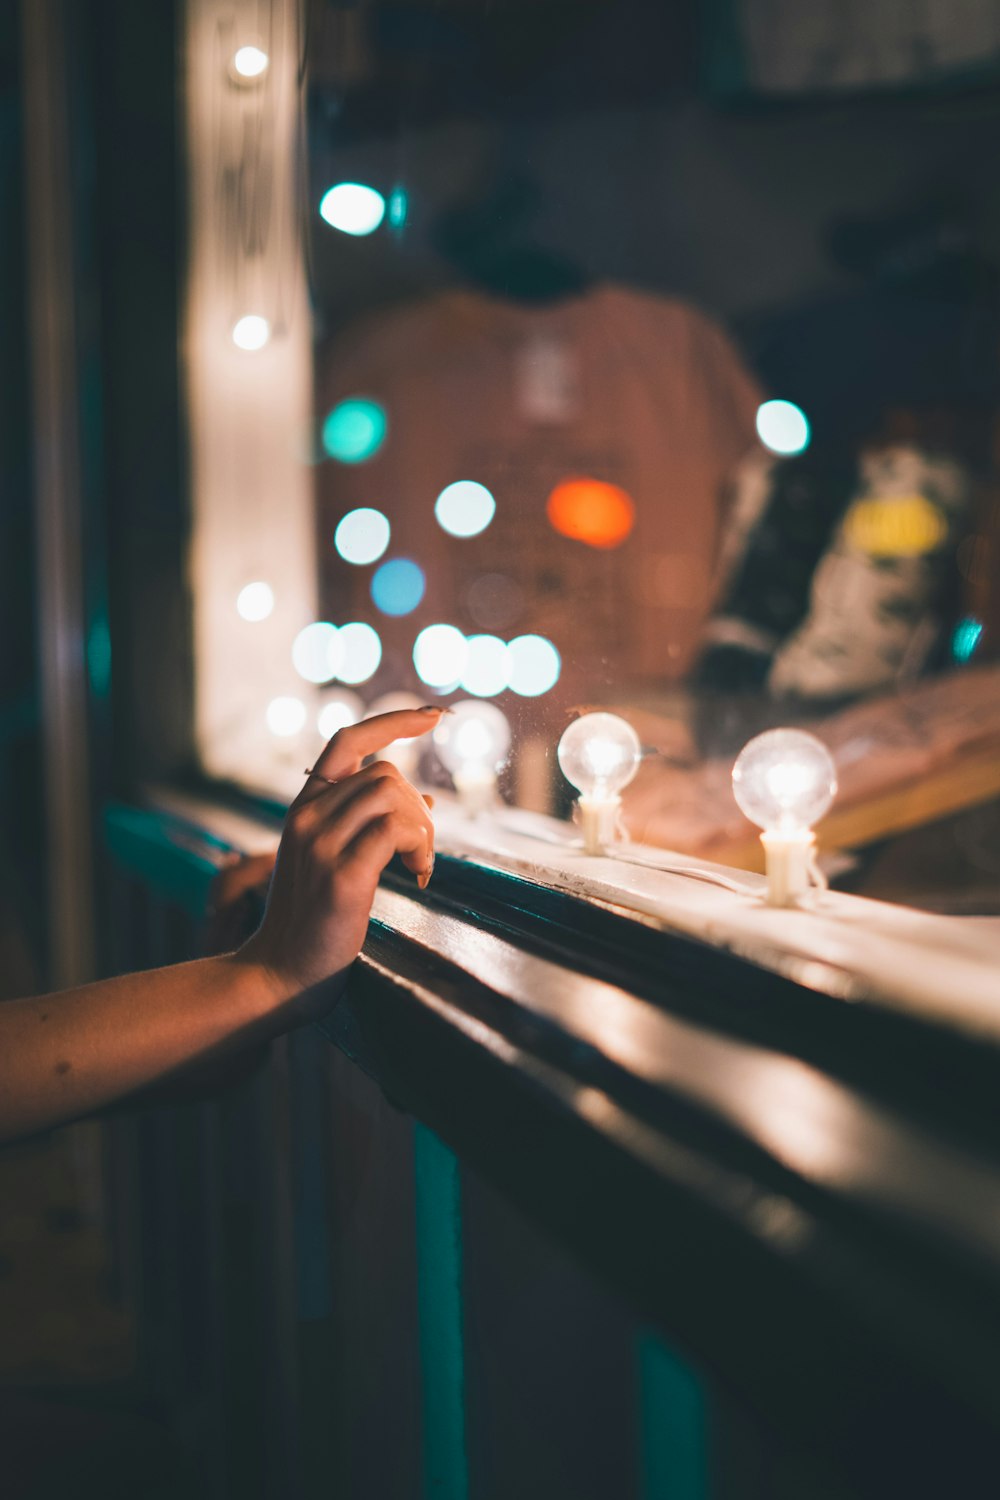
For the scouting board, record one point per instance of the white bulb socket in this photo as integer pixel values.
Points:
(785, 781)
(788, 861)
(599, 754)
(476, 787)
(598, 820)
(473, 740)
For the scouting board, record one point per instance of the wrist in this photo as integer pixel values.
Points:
(270, 987)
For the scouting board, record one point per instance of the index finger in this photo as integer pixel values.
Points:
(349, 746)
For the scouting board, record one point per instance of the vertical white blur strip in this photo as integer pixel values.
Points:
(247, 409)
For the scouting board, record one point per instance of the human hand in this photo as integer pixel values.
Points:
(235, 901)
(339, 835)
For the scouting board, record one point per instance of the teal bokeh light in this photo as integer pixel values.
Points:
(783, 427)
(966, 639)
(353, 208)
(397, 587)
(355, 430)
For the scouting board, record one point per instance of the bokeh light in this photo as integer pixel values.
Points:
(966, 639)
(439, 655)
(487, 666)
(340, 709)
(317, 651)
(398, 586)
(474, 737)
(783, 427)
(362, 536)
(534, 665)
(591, 511)
(250, 62)
(354, 430)
(255, 601)
(361, 648)
(896, 526)
(399, 207)
(251, 332)
(353, 208)
(285, 716)
(464, 508)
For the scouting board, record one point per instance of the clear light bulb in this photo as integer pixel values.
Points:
(472, 741)
(599, 754)
(784, 781)
(403, 754)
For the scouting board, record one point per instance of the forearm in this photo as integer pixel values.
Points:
(67, 1054)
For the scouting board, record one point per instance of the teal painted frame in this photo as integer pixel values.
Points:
(438, 1199)
(673, 1425)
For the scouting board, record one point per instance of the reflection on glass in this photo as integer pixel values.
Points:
(353, 208)
(317, 651)
(590, 511)
(464, 508)
(285, 716)
(398, 586)
(440, 654)
(361, 652)
(966, 639)
(362, 536)
(633, 408)
(341, 709)
(354, 431)
(255, 601)
(473, 742)
(534, 666)
(487, 666)
(782, 427)
(251, 332)
(250, 62)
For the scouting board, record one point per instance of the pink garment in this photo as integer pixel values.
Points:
(622, 386)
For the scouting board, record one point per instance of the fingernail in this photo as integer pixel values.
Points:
(433, 708)
(424, 879)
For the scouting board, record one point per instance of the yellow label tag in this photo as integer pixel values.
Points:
(898, 526)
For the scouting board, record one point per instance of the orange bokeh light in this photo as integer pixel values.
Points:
(590, 511)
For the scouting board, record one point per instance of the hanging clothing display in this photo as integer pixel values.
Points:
(603, 426)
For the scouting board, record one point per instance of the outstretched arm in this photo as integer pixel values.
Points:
(67, 1054)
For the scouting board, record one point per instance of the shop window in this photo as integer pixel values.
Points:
(542, 359)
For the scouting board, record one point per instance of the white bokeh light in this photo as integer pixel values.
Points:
(317, 652)
(250, 62)
(353, 208)
(255, 601)
(534, 665)
(473, 737)
(487, 666)
(361, 652)
(341, 709)
(251, 332)
(440, 653)
(362, 536)
(464, 508)
(783, 427)
(285, 716)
